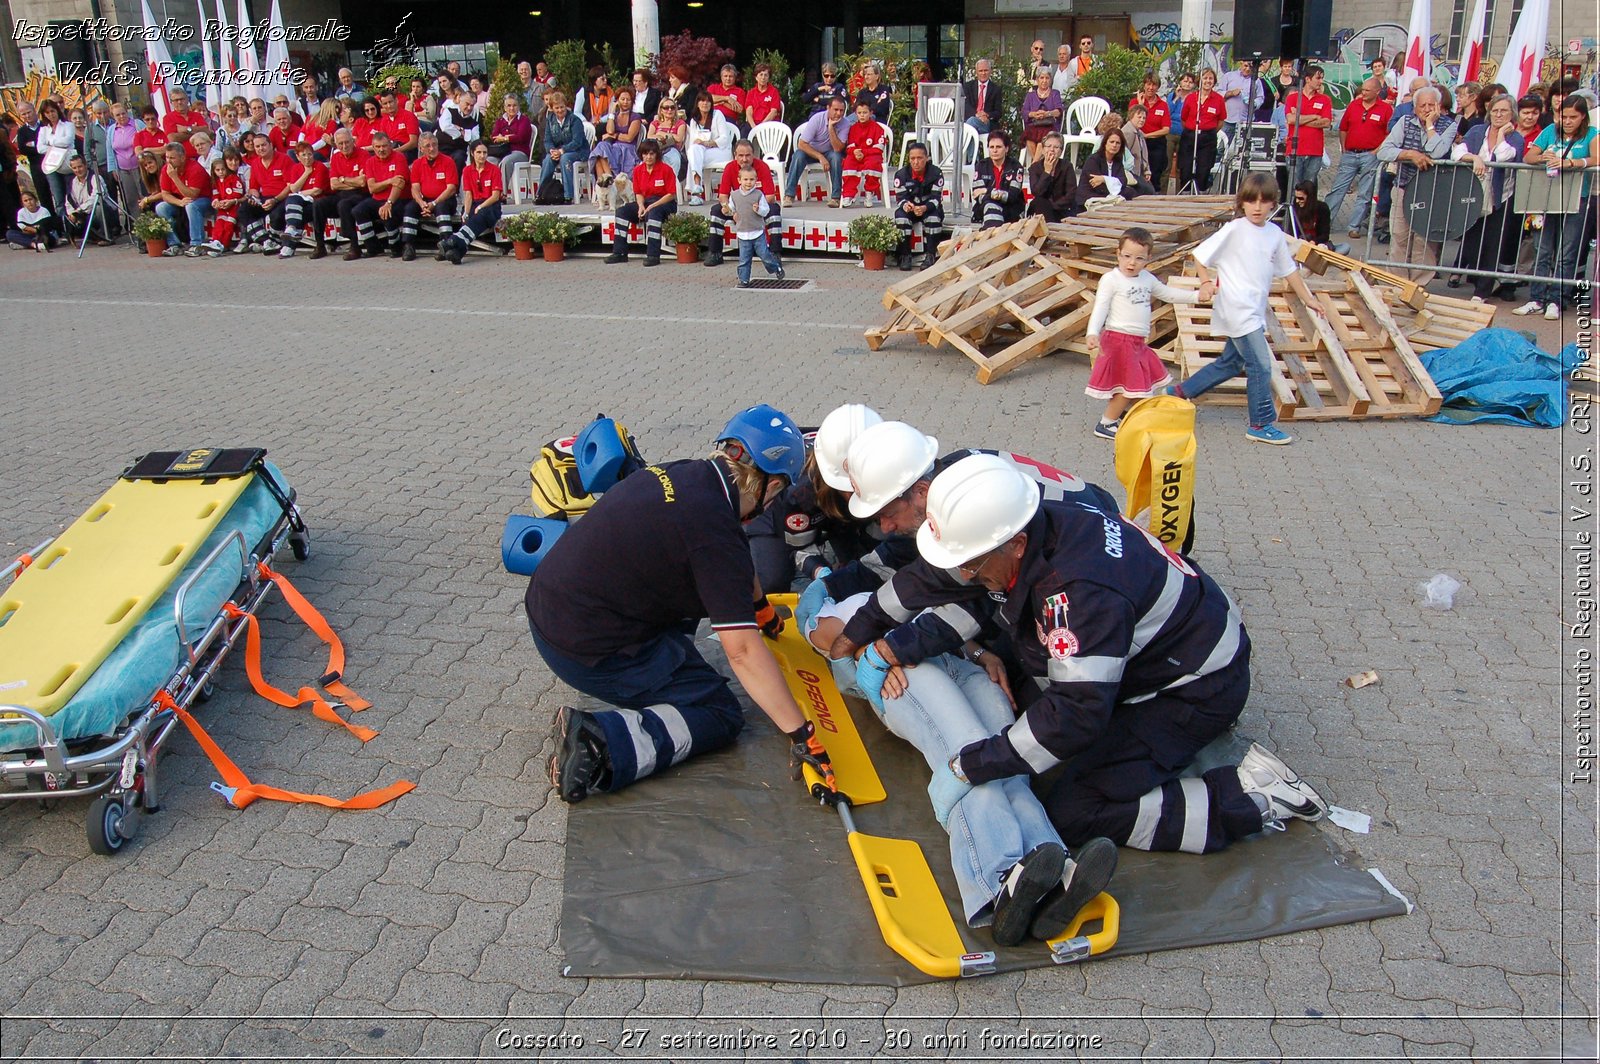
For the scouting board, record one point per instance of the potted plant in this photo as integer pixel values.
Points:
(519, 229)
(684, 231)
(875, 235)
(153, 230)
(555, 233)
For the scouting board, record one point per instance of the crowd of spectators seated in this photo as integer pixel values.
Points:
(388, 163)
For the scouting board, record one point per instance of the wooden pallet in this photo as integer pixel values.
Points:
(1445, 322)
(1353, 362)
(1317, 260)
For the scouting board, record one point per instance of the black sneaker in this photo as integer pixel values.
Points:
(615, 257)
(1085, 877)
(713, 258)
(408, 253)
(652, 260)
(1029, 880)
(579, 764)
(396, 250)
(1107, 430)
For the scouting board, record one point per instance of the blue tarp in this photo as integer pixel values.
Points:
(1500, 376)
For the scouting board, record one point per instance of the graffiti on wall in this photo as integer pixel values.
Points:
(39, 85)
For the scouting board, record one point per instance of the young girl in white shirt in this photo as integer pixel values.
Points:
(1125, 369)
(1248, 254)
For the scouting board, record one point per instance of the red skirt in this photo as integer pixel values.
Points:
(1126, 366)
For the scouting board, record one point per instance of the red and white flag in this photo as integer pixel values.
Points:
(1472, 49)
(247, 59)
(213, 96)
(1418, 60)
(157, 61)
(277, 58)
(1525, 51)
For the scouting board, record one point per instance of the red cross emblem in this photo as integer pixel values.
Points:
(838, 239)
(1061, 643)
(793, 237)
(814, 236)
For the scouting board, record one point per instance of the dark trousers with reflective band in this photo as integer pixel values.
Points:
(297, 208)
(1126, 786)
(628, 213)
(932, 223)
(336, 205)
(668, 704)
(719, 226)
(477, 223)
(365, 220)
(444, 216)
(255, 222)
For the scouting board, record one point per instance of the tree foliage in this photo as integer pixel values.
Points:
(569, 62)
(791, 86)
(505, 81)
(702, 57)
(1116, 77)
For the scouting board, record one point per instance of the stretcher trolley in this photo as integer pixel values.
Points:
(113, 630)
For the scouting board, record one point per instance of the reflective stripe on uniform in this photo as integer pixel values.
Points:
(957, 617)
(1028, 748)
(1196, 815)
(889, 601)
(677, 729)
(644, 748)
(1144, 825)
(1160, 612)
(1099, 669)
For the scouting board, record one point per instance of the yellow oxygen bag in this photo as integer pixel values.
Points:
(1155, 452)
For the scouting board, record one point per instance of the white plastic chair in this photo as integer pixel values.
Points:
(888, 164)
(524, 182)
(941, 109)
(774, 142)
(1085, 114)
(582, 179)
(941, 145)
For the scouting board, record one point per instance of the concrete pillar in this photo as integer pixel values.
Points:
(646, 31)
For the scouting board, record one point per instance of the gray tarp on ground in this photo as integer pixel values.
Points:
(722, 870)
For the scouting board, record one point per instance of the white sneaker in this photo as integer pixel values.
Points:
(845, 202)
(1532, 306)
(1552, 311)
(294, 234)
(1286, 794)
(286, 253)
(215, 247)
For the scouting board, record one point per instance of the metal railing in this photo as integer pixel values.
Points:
(1540, 228)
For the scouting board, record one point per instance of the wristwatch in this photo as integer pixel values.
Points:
(955, 769)
(976, 653)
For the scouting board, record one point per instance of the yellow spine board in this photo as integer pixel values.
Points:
(812, 685)
(63, 615)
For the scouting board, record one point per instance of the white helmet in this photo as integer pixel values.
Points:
(973, 507)
(834, 437)
(883, 462)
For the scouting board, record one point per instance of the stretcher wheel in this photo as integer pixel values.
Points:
(106, 814)
(207, 689)
(301, 547)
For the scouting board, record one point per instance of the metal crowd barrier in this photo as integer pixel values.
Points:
(1544, 229)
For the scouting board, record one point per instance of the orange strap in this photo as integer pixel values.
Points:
(331, 681)
(240, 792)
(306, 696)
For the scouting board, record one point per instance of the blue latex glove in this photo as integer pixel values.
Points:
(944, 792)
(812, 599)
(871, 671)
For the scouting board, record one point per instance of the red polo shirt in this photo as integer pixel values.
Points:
(363, 130)
(286, 141)
(1156, 114)
(319, 180)
(732, 114)
(270, 178)
(764, 181)
(342, 165)
(1306, 140)
(764, 104)
(194, 175)
(172, 122)
(149, 140)
(401, 127)
(431, 178)
(652, 182)
(482, 183)
(378, 169)
(1205, 116)
(1365, 127)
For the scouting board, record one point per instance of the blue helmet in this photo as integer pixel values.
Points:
(770, 439)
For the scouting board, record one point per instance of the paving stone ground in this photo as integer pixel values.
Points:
(404, 401)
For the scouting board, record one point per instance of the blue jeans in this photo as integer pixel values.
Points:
(1557, 257)
(749, 249)
(570, 157)
(800, 160)
(669, 704)
(1306, 168)
(1356, 170)
(195, 216)
(1242, 354)
(949, 703)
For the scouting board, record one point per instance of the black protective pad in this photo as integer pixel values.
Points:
(721, 869)
(197, 463)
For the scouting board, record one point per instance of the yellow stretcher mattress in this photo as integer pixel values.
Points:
(67, 611)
